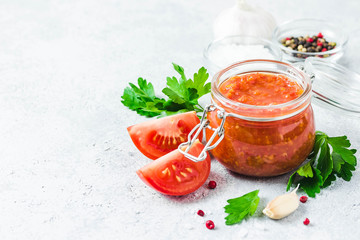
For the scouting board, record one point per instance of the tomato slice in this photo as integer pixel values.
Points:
(157, 137)
(174, 174)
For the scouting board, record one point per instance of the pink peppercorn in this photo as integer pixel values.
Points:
(306, 221)
(200, 213)
(212, 184)
(303, 199)
(210, 224)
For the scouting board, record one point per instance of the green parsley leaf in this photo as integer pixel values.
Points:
(337, 161)
(324, 161)
(290, 181)
(145, 90)
(173, 96)
(182, 93)
(339, 141)
(178, 88)
(312, 185)
(306, 170)
(329, 159)
(141, 99)
(180, 70)
(345, 172)
(199, 82)
(241, 207)
(331, 178)
(340, 145)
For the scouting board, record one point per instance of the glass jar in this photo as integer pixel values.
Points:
(262, 140)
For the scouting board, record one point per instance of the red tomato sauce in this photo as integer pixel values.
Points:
(261, 89)
(257, 148)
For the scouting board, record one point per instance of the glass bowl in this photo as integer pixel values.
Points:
(226, 51)
(310, 27)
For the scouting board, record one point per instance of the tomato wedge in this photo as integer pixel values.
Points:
(157, 137)
(174, 174)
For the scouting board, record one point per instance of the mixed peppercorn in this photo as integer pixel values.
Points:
(307, 44)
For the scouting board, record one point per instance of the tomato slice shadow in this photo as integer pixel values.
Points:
(203, 191)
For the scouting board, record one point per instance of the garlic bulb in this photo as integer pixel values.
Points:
(283, 205)
(243, 19)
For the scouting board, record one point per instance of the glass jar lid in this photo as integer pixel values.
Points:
(334, 86)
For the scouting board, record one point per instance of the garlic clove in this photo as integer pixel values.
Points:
(244, 19)
(283, 205)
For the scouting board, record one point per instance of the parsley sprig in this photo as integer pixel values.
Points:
(241, 207)
(330, 158)
(183, 94)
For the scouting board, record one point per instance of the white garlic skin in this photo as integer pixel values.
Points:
(243, 19)
(282, 206)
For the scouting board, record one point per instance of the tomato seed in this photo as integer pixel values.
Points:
(210, 224)
(200, 213)
(306, 221)
(212, 184)
(303, 199)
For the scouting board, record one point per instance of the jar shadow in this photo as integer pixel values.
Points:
(259, 179)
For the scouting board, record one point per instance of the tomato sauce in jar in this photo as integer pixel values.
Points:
(273, 131)
(260, 89)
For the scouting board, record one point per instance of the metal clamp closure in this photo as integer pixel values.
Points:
(301, 67)
(205, 123)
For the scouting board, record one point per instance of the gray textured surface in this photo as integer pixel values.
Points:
(67, 165)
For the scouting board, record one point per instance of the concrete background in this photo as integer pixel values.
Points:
(67, 164)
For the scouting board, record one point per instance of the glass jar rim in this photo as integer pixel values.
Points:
(299, 101)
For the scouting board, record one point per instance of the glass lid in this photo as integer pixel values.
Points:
(334, 86)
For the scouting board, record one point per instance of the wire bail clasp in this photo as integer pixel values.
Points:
(205, 123)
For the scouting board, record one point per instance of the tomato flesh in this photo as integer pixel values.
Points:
(174, 174)
(157, 137)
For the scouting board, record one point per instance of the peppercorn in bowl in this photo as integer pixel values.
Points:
(303, 38)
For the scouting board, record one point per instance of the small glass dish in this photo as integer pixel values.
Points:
(226, 51)
(310, 27)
